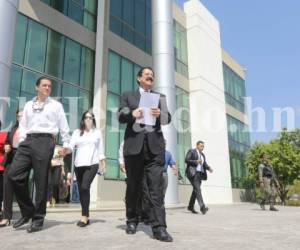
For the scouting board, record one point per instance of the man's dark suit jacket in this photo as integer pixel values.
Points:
(191, 162)
(135, 133)
(9, 141)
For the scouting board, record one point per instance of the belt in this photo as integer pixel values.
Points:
(36, 135)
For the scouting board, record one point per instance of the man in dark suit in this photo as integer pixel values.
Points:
(196, 172)
(144, 149)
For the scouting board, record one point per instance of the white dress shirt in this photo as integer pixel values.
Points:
(200, 166)
(89, 147)
(143, 90)
(121, 153)
(51, 119)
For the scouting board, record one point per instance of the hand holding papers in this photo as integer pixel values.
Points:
(149, 106)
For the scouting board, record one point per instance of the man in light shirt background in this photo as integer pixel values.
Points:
(196, 173)
(169, 162)
(43, 118)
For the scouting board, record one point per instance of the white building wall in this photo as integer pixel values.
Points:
(207, 100)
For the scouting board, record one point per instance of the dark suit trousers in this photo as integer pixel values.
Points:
(8, 192)
(35, 152)
(196, 194)
(144, 172)
(1, 189)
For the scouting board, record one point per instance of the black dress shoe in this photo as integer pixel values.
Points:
(83, 224)
(273, 209)
(204, 209)
(131, 228)
(21, 222)
(35, 226)
(161, 234)
(192, 210)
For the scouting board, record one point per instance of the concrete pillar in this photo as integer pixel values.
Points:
(8, 18)
(163, 64)
(98, 80)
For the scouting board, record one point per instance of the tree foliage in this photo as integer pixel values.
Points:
(284, 152)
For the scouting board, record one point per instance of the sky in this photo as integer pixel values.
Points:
(264, 37)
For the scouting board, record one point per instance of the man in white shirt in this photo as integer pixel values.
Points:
(42, 119)
(121, 159)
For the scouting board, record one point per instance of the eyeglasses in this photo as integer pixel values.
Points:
(88, 117)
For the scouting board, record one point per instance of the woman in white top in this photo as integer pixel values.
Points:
(89, 157)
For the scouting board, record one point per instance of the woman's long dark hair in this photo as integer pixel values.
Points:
(82, 124)
(17, 122)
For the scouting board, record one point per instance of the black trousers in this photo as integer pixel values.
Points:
(196, 194)
(8, 193)
(144, 172)
(35, 152)
(1, 189)
(53, 183)
(85, 176)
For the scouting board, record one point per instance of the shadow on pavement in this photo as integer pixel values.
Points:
(141, 227)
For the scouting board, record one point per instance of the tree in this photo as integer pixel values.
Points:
(284, 152)
(292, 136)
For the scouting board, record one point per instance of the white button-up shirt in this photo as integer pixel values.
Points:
(89, 147)
(143, 90)
(200, 166)
(50, 119)
(121, 154)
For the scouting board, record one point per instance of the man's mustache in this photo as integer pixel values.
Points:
(150, 79)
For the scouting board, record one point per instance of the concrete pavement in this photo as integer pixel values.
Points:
(238, 226)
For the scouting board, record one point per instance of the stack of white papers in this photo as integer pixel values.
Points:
(148, 101)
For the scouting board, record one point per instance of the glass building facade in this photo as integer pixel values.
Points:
(42, 51)
(183, 130)
(239, 145)
(180, 49)
(131, 20)
(121, 77)
(234, 88)
(81, 11)
(238, 132)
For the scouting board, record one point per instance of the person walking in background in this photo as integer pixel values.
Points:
(196, 173)
(3, 136)
(56, 173)
(268, 181)
(169, 162)
(144, 150)
(11, 146)
(89, 158)
(43, 118)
